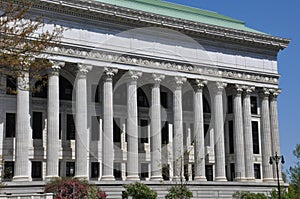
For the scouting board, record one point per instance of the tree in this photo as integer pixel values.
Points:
(294, 172)
(139, 191)
(23, 40)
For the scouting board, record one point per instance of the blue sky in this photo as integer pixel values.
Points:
(278, 18)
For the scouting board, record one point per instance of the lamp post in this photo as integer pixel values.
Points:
(277, 158)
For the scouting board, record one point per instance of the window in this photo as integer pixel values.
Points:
(232, 171)
(65, 89)
(253, 100)
(70, 169)
(8, 170)
(229, 104)
(142, 98)
(192, 133)
(95, 128)
(41, 88)
(186, 172)
(95, 170)
(117, 171)
(120, 95)
(10, 130)
(209, 172)
(37, 125)
(231, 137)
(144, 171)
(59, 132)
(166, 172)
(164, 99)
(117, 130)
(257, 173)
(165, 133)
(11, 85)
(206, 128)
(95, 93)
(70, 127)
(36, 170)
(255, 137)
(206, 108)
(144, 131)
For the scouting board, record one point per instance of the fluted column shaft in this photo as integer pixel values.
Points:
(108, 144)
(53, 122)
(199, 150)
(219, 132)
(23, 130)
(266, 136)
(155, 115)
(178, 129)
(132, 127)
(275, 130)
(239, 135)
(249, 167)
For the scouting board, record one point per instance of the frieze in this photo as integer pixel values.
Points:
(156, 63)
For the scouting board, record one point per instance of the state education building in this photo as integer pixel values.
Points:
(146, 91)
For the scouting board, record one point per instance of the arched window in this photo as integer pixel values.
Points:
(206, 108)
(41, 88)
(65, 89)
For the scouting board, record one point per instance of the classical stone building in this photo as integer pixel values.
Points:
(146, 91)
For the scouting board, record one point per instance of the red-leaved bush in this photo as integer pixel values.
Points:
(69, 188)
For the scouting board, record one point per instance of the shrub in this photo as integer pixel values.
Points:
(68, 188)
(139, 191)
(179, 192)
(248, 195)
(290, 194)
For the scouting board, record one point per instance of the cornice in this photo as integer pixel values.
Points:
(135, 60)
(101, 11)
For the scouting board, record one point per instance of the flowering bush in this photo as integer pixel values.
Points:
(68, 188)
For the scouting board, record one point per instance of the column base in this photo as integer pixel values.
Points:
(252, 179)
(81, 177)
(108, 178)
(178, 178)
(133, 178)
(269, 180)
(221, 179)
(200, 178)
(22, 179)
(156, 178)
(49, 178)
(241, 179)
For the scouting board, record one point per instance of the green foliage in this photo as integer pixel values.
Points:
(248, 195)
(68, 188)
(139, 191)
(179, 192)
(294, 173)
(290, 194)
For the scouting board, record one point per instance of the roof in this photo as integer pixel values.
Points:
(183, 12)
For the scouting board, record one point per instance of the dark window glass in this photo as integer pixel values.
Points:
(95, 93)
(193, 171)
(36, 169)
(257, 173)
(126, 130)
(231, 141)
(144, 171)
(59, 126)
(255, 137)
(8, 170)
(37, 125)
(232, 171)
(41, 88)
(164, 99)
(65, 89)
(95, 128)
(206, 108)
(253, 100)
(165, 133)
(142, 98)
(117, 130)
(144, 131)
(209, 172)
(11, 85)
(186, 172)
(192, 133)
(70, 127)
(95, 170)
(117, 171)
(70, 169)
(206, 128)
(166, 172)
(184, 133)
(229, 104)
(10, 130)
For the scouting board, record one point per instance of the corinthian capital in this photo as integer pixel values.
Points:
(110, 72)
(56, 66)
(274, 93)
(248, 89)
(134, 75)
(83, 69)
(179, 81)
(157, 78)
(199, 84)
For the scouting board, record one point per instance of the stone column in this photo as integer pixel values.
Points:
(248, 140)
(108, 144)
(266, 147)
(178, 151)
(199, 147)
(23, 130)
(275, 130)
(53, 121)
(239, 135)
(220, 174)
(81, 167)
(155, 128)
(132, 127)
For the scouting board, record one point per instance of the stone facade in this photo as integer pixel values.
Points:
(131, 99)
